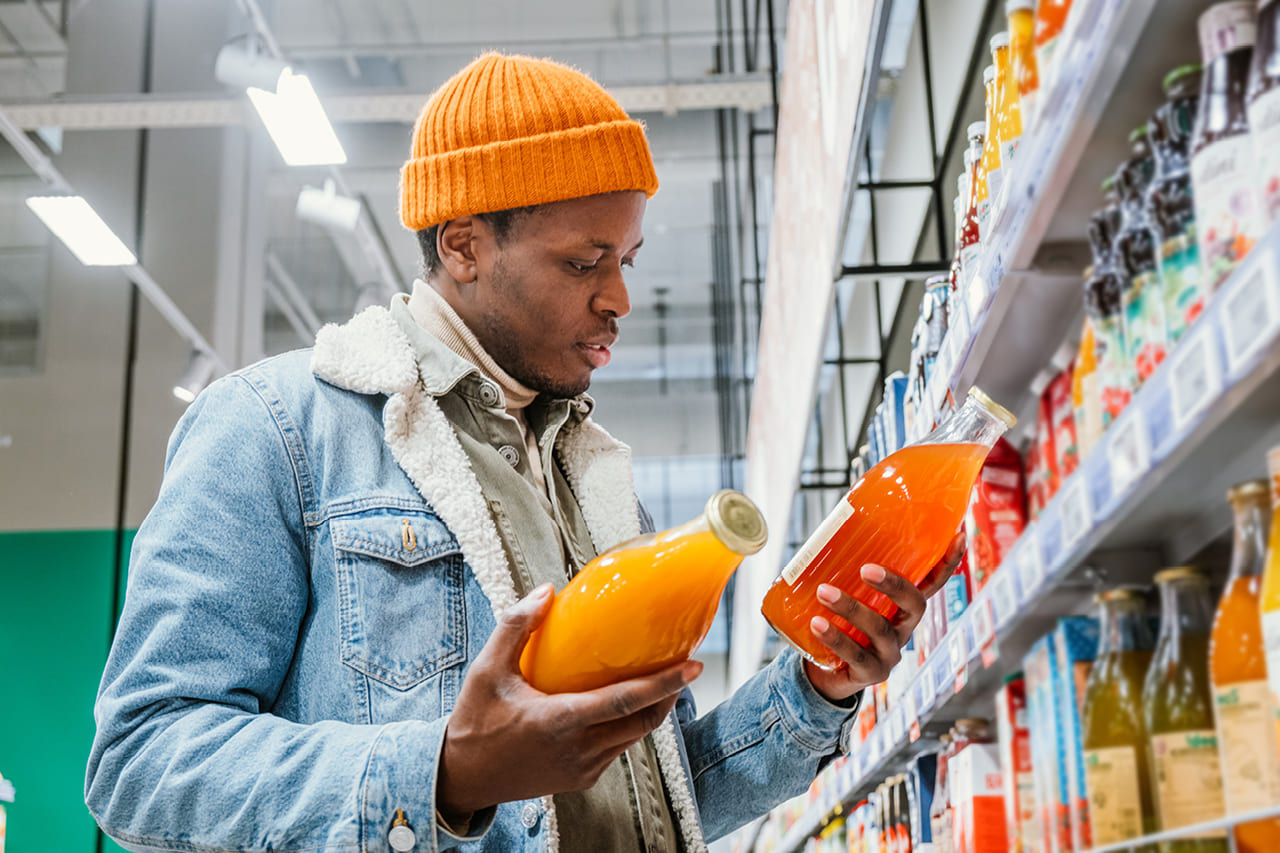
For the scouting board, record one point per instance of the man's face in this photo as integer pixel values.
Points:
(547, 298)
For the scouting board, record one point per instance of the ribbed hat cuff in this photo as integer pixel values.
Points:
(573, 163)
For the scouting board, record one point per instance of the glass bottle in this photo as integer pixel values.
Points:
(1271, 587)
(1245, 715)
(993, 174)
(971, 233)
(645, 604)
(903, 514)
(1178, 700)
(1223, 175)
(1170, 206)
(1051, 16)
(1114, 734)
(1008, 108)
(1143, 300)
(1022, 24)
(1263, 98)
(1104, 293)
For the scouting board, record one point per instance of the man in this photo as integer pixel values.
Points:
(327, 604)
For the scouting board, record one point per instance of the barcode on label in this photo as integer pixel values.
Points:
(1193, 377)
(815, 542)
(984, 622)
(1250, 315)
(1006, 600)
(1075, 512)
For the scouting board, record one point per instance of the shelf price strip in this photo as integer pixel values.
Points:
(1250, 313)
(1004, 593)
(1194, 378)
(1128, 451)
(1074, 512)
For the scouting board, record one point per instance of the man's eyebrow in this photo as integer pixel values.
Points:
(606, 246)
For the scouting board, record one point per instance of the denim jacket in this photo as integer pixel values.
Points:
(317, 573)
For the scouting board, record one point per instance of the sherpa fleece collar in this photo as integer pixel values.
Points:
(370, 354)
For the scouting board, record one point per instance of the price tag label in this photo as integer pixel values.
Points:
(959, 646)
(984, 629)
(976, 296)
(1250, 315)
(1128, 451)
(1075, 514)
(1029, 563)
(1194, 377)
(1004, 594)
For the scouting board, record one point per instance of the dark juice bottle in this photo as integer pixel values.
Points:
(1263, 99)
(1135, 245)
(1104, 292)
(1223, 175)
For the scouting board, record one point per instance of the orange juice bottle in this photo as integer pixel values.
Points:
(1051, 15)
(1008, 107)
(971, 233)
(1271, 588)
(1238, 670)
(1022, 25)
(990, 151)
(645, 604)
(902, 515)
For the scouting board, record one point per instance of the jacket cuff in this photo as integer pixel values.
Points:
(401, 774)
(817, 723)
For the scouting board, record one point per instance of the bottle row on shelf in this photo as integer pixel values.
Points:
(1117, 726)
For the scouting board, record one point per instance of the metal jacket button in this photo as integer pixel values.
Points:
(401, 837)
(529, 815)
(488, 394)
(510, 454)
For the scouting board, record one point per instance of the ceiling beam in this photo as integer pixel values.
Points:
(749, 92)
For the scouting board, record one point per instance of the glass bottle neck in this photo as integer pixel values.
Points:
(1185, 608)
(1124, 627)
(972, 423)
(1249, 541)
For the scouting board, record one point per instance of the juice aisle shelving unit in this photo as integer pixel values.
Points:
(1153, 487)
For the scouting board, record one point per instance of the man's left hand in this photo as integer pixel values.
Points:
(864, 666)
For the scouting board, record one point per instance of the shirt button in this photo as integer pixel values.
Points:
(510, 454)
(529, 815)
(488, 394)
(401, 838)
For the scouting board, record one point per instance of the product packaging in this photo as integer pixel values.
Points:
(977, 800)
(1075, 642)
(1015, 763)
(1038, 667)
(996, 516)
(1062, 411)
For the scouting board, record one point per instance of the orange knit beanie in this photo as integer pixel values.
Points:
(512, 131)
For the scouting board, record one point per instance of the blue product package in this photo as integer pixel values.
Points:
(955, 594)
(922, 774)
(1038, 670)
(1075, 642)
(895, 398)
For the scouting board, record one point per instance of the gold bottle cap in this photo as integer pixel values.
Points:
(1177, 573)
(1248, 489)
(1120, 593)
(998, 411)
(737, 522)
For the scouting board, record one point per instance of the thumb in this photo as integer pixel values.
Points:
(516, 626)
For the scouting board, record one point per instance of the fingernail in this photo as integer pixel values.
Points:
(542, 592)
(828, 593)
(820, 625)
(691, 671)
(872, 573)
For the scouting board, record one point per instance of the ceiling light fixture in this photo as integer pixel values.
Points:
(78, 225)
(286, 102)
(200, 369)
(328, 208)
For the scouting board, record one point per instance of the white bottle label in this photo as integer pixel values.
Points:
(817, 541)
(1264, 127)
(1271, 644)
(1223, 181)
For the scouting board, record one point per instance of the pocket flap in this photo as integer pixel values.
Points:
(405, 537)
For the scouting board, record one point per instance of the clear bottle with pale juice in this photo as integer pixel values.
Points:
(1022, 25)
(1271, 589)
(902, 515)
(1244, 711)
(645, 604)
(1008, 107)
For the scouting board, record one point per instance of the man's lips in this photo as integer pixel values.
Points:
(597, 354)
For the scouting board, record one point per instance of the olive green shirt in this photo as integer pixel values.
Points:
(546, 540)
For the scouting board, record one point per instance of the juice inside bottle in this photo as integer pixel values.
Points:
(902, 515)
(1051, 15)
(1238, 669)
(1008, 108)
(1114, 735)
(1022, 26)
(645, 604)
(971, 230)
(990, 154)
(1271, 587)
(1178, 702)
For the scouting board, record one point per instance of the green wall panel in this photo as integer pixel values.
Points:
(56, 590)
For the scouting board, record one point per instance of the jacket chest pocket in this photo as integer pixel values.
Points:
(400, 582)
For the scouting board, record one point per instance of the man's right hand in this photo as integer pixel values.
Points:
(507, 741)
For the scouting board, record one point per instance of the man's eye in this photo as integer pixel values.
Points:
(629, 262)
(582, 268)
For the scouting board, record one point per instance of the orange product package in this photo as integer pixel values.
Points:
(902, 515)
(996, 513)
(1062, 411)
(977, 800)
(645, 604)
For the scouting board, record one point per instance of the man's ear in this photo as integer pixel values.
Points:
(455, 244)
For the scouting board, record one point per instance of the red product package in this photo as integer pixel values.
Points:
(995, 517)
(1030, 469)
(1047, 459)
(1015, 763)
(1063, 417)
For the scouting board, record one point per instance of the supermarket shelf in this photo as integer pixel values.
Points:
(1026, 296)
(1157, 475)
(1189, 831)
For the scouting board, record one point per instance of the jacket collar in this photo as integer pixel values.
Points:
(372, 354)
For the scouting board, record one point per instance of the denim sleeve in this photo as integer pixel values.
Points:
(761, 746)
(187, 755)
